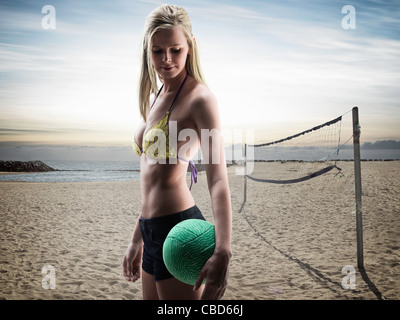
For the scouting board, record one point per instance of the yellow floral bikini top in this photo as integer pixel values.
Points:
(155, 142)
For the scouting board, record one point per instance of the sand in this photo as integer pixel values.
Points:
(289, 242)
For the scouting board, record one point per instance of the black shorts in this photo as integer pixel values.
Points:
(154, 231)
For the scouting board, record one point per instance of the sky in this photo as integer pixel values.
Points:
(277, 67)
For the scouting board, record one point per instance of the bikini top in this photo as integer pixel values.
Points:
(154, 148)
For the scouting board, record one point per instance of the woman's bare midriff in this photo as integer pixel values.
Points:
(164, 189)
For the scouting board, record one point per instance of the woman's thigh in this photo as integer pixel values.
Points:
(149, 288)
(173, 289)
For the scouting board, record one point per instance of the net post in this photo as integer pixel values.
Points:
(245, 176)
(245, 179)
(357, 176)
(245, 173)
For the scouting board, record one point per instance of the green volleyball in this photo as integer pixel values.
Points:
(187, 248)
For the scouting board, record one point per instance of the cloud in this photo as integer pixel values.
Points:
(24, 131)
(28, 152)
(289, 69)
(379, 145)
(81, 75)
(278, 67)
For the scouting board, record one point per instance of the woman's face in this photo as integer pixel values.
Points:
(169, 52)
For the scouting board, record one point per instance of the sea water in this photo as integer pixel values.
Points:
(86, 171)
(309, 154)
(81, 171)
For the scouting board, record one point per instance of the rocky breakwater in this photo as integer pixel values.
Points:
(24, 166)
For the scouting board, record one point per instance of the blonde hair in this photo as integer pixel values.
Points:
(165, 17)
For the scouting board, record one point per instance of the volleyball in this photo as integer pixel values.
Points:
(187, 248)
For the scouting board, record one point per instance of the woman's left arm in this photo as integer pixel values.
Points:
(206, 117)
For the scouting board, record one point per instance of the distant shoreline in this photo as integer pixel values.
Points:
(199, 166)
(19, 167)
(346, 160)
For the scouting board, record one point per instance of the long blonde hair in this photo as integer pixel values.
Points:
(165, 17)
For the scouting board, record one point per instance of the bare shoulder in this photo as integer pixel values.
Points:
(204, 107)
(202, 101)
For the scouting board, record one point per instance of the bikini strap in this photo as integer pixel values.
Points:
(194, 173)
(177, 94)
(158, 93)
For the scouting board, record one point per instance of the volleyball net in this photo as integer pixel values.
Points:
(316, 148)
(297, 160)
(318, 144)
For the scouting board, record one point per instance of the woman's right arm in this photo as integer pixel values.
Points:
(137, 235)
(131, 263)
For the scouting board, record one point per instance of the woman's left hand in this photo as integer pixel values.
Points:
(216, 273)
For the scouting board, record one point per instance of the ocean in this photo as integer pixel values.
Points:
(276, 153)
(81, 171)
(87, 171)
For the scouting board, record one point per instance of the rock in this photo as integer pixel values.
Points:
(22, 166)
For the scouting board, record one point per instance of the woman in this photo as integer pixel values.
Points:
(185, 104)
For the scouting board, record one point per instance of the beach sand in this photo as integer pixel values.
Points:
(289, 241)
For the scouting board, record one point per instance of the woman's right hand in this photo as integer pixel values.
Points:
(131, 263)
